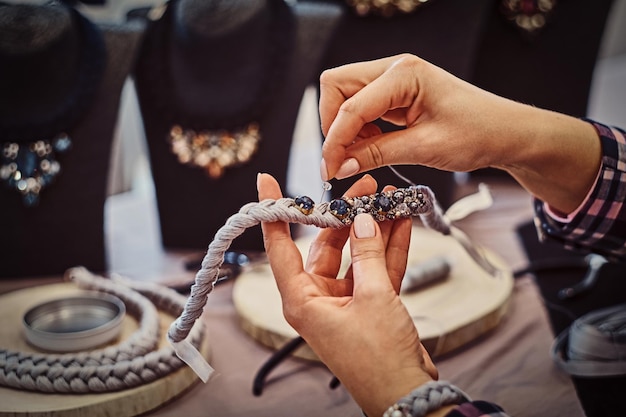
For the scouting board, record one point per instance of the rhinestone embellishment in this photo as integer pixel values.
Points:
(386, 205)
(31, 167)
(385, 8)
(214, 150)
(304, 204)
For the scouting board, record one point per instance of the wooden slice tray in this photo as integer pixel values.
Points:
(448, 314)
(129, 402)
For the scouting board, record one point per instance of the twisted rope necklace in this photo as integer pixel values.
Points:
(29, 144)
(414, 201)
(220, 138)
(135, 362)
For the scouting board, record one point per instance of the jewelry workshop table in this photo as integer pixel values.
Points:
(510, 366)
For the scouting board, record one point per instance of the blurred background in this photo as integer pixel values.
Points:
(576, 64)
(607, 103)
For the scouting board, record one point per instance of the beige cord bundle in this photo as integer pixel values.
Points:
(134, 362)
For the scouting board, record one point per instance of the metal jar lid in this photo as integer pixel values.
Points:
(74, 323)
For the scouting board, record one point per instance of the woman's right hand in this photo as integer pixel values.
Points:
(450, 125)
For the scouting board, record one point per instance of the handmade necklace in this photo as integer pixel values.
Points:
(414, 201)
(135, 361)
(209, 141)
(385, 8)
(529, 16)
(28, 158)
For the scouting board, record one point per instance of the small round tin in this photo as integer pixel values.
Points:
(74, 323)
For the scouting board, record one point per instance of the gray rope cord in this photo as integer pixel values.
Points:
(426, 398)
(417, 200)
(126, 365)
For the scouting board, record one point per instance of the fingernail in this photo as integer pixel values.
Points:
(364, 226)
(323, 171)
(258, 180)
(348, 168)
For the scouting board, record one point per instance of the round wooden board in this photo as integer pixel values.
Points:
(130, 402)
(448, 314)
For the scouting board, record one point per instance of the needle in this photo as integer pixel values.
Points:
(326, 186)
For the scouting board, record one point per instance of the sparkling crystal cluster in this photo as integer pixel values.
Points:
(214, 150)
(30, 167)
(385, 8)
(386, 205)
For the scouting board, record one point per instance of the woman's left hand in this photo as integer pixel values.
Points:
(358, 325)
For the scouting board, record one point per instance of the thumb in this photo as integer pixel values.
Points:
(369, 266)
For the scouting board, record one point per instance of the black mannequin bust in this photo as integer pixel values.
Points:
(223, 65)
(59, 74)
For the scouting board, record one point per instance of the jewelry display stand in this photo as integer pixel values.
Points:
(58, 58)
(446, 33)
(220, 66)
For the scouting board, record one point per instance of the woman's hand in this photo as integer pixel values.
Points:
(450, 125)
(357, 325)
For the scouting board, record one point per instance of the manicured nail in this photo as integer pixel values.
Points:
(364, 226)
(323, 171)
(348, 168)
(258, 180)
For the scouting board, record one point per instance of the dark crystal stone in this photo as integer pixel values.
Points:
(62, 143)
(305, 204)
(27, 162)
(414, 206)
(339, 208)
(382, 203)
(398, 196)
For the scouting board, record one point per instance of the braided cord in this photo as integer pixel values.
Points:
(426, 398)
(418, 200)
(131, 363)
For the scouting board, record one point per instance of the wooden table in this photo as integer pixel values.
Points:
(510, 365)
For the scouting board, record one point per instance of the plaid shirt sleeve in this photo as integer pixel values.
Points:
(599, 225)
(477, 409)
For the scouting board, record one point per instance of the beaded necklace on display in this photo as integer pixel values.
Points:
(28, 158)
(529, 16)
(197, 139)
(385, 8)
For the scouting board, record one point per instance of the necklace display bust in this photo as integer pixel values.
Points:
(208, 73)
(59, 74)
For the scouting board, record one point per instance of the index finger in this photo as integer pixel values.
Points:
(353, 96)
(340, 83)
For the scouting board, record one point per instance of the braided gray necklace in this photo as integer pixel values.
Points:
(134, 362)
(414, 201)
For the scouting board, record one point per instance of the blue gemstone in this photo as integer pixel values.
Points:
(339, 208)
(62, 143)
(305, 204)
(382, 203)
(27, 162)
